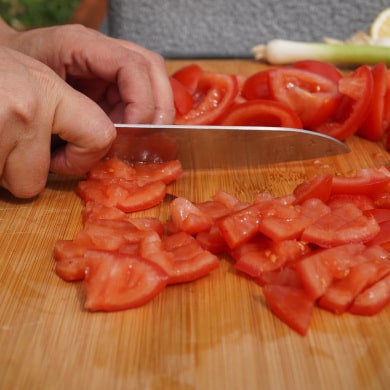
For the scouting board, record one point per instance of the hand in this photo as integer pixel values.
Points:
(128, 81)
(35, 103)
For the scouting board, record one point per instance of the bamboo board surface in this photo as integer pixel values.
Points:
(215, 333)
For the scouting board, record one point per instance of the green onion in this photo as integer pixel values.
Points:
(280, 51)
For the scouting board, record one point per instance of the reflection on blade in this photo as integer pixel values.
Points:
(215, 147)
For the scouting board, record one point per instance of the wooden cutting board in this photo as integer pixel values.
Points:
(215, 333)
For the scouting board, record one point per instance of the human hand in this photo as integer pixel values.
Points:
(128, 81)
(36, 103)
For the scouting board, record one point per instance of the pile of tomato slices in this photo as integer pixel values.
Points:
(326, 244)
(309, 94)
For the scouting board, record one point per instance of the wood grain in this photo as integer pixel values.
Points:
(216, 333)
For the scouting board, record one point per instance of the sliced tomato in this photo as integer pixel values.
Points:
(318, 270)
(361, 201)
(343, 225)
(214, 95)
(262, 255)
(367, 181)
(212, 240)
(182, 98)
(261, 113)
(372, 300)
(324, 69)
(94, 210)
(167, 171)
(112, 168)
(351, 111)
(313, 97)
(318, 187)
(115, 281)
(257, 86)
(386, 105)
(191, 261)
(373, 127)
(284, 276)
(125, 195)
(291, 305)
(189, 76)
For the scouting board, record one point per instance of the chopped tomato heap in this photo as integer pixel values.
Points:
(326, 245)
(309, 94)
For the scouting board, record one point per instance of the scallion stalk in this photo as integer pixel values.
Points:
(280, 51)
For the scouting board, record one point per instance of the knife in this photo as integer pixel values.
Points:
(210, 147)
(217, 147)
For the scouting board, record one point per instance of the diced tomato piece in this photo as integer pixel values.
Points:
(188, 218)
(367, 181)
(191, 261)
(167, 171)
(213, 209)
(383, 237)
(261, 113)
(380, 215)
(262, 254)
(214, 95)
(313, 97)
(291, 305)
(342, 292)
(284, 276)
(361, 201)
(317, 270)
(212, 240)
(115, 281)
(281, 222)
(373, 126)
(112, 168)
(352, 110)
(123, 194)
(94, 210)
(318, 187)
(372, 300)
(343, 225)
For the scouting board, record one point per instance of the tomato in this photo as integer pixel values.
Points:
(321, 68)
(342, 292)
(350, 113)
(189, 218)
(115, 281)
(313, 97)
(318, 269)
(373, 126)
(190, 260)
(112, 168)
(369, 181)
(261, 254)
(212, 240)
(182, 99)
(261, 113)
(372, 300)
(291, 305)
(214, 95)
(284, 276)
(386, 104)
(189, 76)
(256, 86)
(167, 171)
(123, 194)
(344, 224)
(319, 187)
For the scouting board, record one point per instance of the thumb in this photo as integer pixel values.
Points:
(86, 129)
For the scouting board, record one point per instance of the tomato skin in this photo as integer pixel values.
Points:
(373, 126)
(372, 300)
(321, 68)
(257, 86)
(319, 187)
(115, 281)
(291, 305)
(313, 97)
(182, 98)
(350, 113)
(214, 95)
(189, 76)
(261, 113)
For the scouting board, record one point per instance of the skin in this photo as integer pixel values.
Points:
(73, 82)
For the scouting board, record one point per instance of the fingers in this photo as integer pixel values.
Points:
(88, 133)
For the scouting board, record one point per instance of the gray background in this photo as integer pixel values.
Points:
(229, 28)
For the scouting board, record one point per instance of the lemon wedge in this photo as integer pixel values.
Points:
(380, 27)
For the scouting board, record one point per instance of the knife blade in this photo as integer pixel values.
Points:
(217, 147)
